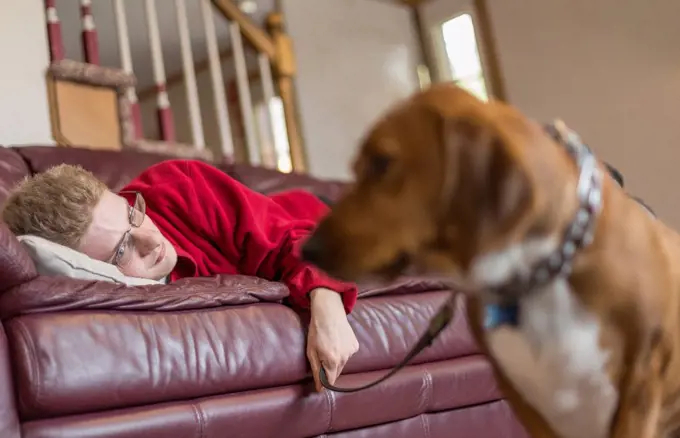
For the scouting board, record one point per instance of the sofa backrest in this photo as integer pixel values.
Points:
(270, 181)
(114, 168)
(117, 168)
(13, 169)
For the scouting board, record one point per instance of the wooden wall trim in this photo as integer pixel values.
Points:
(427, 55)
(494, 71)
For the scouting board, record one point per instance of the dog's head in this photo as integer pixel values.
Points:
(441, 178)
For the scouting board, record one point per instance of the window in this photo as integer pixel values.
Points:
(464, 62)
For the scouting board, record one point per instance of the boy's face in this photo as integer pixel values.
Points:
(135, 246)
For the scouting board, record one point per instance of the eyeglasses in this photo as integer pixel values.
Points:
(136, 215)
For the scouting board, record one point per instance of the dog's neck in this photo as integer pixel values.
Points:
(527, 267)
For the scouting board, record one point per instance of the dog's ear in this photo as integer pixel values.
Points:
(493, 189)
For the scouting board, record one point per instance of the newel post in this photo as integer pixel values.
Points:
(284, 68)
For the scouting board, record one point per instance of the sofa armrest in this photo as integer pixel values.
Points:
(50, 294)
(16, 265)
(9, 420)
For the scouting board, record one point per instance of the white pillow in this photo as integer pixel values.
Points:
(52, 259)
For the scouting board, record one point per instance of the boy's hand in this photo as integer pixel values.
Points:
(331, 340)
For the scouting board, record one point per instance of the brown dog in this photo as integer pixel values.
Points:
(579, 286)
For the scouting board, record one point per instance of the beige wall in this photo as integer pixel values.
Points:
(610, 69)
(24, 111)
(354, 59)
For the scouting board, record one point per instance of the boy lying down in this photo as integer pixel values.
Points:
(183, 218)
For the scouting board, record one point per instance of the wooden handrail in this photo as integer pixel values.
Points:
(252, 33)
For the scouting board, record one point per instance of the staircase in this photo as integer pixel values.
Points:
(194, 78)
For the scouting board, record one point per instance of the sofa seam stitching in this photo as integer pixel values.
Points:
(428, 398)
(198, 414)
(331, 405)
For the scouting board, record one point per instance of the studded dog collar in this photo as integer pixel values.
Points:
(577, 235)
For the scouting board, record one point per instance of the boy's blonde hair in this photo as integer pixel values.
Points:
(56, 205)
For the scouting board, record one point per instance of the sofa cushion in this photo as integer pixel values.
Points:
(66, 361)
(54, 259)
(293, 411)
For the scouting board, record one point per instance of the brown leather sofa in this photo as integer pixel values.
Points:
(219, 357)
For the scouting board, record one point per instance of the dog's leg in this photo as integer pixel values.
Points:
(639, 411)
(642, 394)
(532, 422)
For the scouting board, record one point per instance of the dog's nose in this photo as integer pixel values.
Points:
(312, 250)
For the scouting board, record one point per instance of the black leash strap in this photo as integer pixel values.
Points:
(437, 324)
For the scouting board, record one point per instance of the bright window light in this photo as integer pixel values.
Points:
(463, 55)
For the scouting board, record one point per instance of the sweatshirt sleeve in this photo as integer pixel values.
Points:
(261, 235)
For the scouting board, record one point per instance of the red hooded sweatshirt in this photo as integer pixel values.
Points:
(219, 226)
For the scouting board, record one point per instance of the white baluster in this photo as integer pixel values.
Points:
(126, 62)
(189, 75)
(269, 157)
(219, 94)
(245, 100)
(123, 35)
(165, 121)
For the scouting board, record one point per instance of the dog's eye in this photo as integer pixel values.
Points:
(379, 164)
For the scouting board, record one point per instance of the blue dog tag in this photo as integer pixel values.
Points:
(497, 315)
